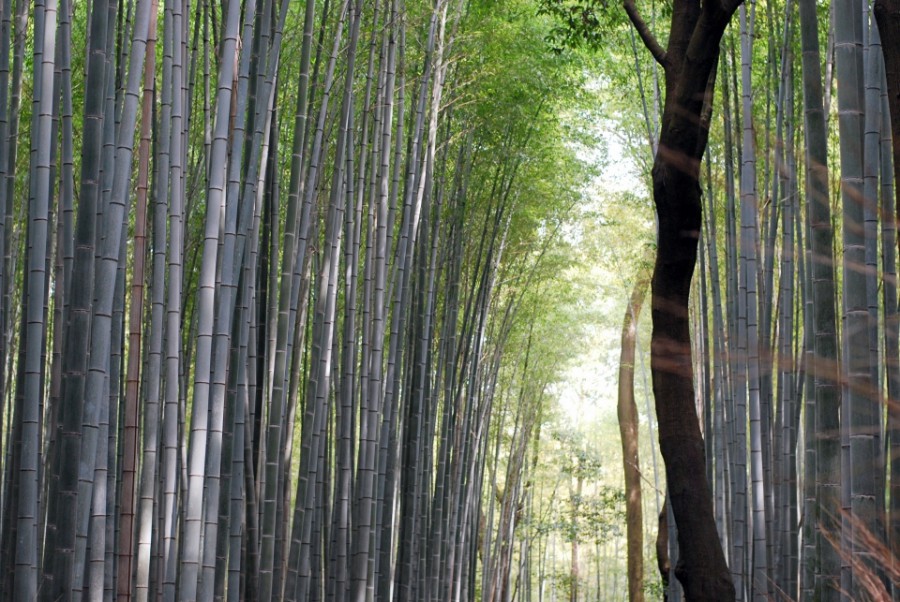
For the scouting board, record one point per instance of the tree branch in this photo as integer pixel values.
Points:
(730, 6)
(647, 36)
(721, 11)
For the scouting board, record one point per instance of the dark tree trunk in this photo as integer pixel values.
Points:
(689, 63)
(701, 566)
(662, 547)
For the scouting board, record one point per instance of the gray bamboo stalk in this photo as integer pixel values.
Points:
(767, 301)
(239, 468)
(9, 127)
(60, 538)
(364, 552)
(443, 536)
(721, 375)
(65, 227)
(871, 163)
(102, 530)
(299, 563)
(324, 326)
(24, 408)
(774, 431)
(148, 528)
(386, 446)
(247, 323)
(749, 250)
(206, 297)
(808, 495)
(5, 228)
(238, 220)
(807, 389)
(28, 509)
(858, 405)
(135, 319)
(865, 418)
(788, 404)
(891, 329)
(824, 469)
(363, 486)
(339, 577)
(105, 291)
(362, 490)
(248, 120)
(414, 240)
(703, 369)
(802, 350)
(239, 481)
(735, 418)
(281, 353)
(252, 192)
(738, 300)
(173, 67)
(400, 283)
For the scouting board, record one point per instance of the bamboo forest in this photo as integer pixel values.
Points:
(449, 300)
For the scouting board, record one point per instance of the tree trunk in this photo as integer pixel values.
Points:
(574, 573)
(662, 547)
(689, 62)
(628, 429)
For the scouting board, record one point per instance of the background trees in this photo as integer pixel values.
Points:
(795, 352)
(327, 254)
(290, 293)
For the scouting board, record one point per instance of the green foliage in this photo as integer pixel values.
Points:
(654, 588)
(580, 23)
(595, 518)
(596, 513)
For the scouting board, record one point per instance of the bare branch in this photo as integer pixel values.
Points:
(647, 36)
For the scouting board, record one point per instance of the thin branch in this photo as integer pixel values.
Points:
(647, 36)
